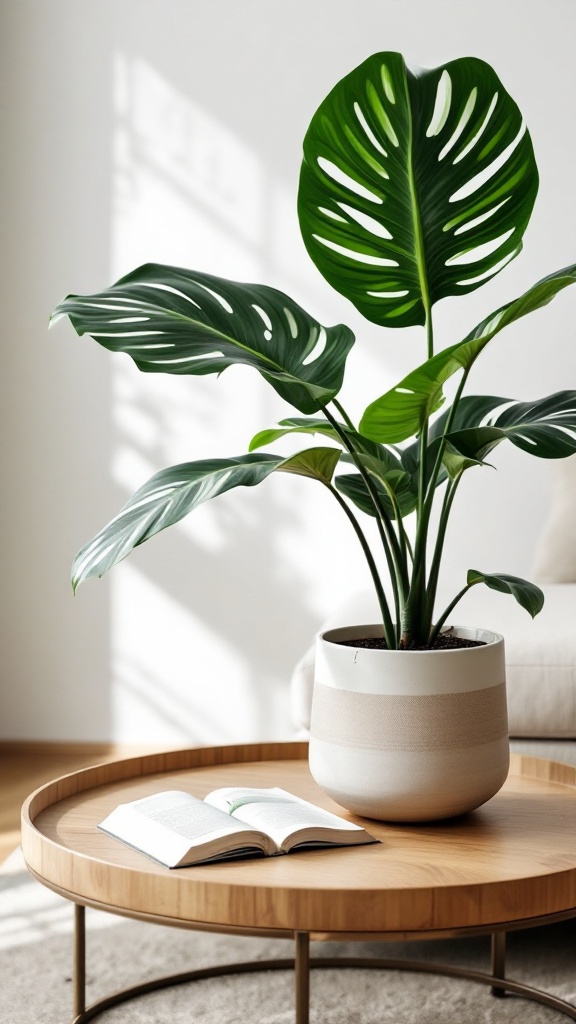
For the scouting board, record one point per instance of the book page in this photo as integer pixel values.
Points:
(281, 814)
(184, 814)
(169, 826)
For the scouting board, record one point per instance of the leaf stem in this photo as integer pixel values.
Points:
(430, 589)
(392, 550)
(343, 414)
(405, 547)
(439, 546)
(384, 521)
(389, 630)
(442, 447)
(414, 624)
(449, 609)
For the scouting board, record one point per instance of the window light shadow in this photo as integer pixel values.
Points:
(206, 622)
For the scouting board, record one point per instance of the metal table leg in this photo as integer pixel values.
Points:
(79, 959)
(302, 977)
(498, 962)
(301, 964)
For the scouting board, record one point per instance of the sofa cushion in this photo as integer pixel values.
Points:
(555, 556)
(540, 657)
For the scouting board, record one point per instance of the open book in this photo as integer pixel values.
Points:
(178, 829)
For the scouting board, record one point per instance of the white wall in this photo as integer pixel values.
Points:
(171, 130)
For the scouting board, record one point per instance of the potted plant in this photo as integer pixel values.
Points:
(415, 186)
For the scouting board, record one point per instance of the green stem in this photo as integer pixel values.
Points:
(448, 427)
(383, 521)
(414, 625)
(427, 609)
(398, 571)
(439, 546)
(389, 631)
(449, 609)
(405, 548)
(424, 430)
(343, 414)
(429, 326)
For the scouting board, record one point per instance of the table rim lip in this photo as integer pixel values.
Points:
(319, 935)
(117, 771)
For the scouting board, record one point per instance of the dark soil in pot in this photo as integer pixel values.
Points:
(442, 643)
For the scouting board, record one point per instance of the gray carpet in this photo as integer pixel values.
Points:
(36, 960)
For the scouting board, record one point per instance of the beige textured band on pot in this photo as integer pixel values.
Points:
(446, 721)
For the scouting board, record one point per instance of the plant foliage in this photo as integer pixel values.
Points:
(415, 186)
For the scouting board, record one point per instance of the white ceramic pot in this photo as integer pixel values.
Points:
(409, 735)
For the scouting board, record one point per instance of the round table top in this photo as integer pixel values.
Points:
(513, 860)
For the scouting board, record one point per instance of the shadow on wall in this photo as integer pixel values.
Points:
(201, 635)
(208, 619)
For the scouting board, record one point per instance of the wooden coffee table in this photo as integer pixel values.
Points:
(509, 865)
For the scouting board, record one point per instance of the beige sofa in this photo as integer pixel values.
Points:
(540, 653)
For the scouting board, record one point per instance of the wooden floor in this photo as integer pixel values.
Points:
(26, 766)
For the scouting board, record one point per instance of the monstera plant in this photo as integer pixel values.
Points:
(415, 186)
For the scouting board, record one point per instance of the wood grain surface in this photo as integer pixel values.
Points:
(512, 860)
(26, 765)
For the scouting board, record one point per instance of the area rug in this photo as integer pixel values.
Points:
(36, 965)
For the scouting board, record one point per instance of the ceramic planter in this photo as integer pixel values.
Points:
(409, 735)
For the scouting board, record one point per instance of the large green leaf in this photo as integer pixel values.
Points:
(528, 595)
(172, 320)
(163, 500)
(172, 493)
(415, 184)
(402, 411)
(544, 428)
